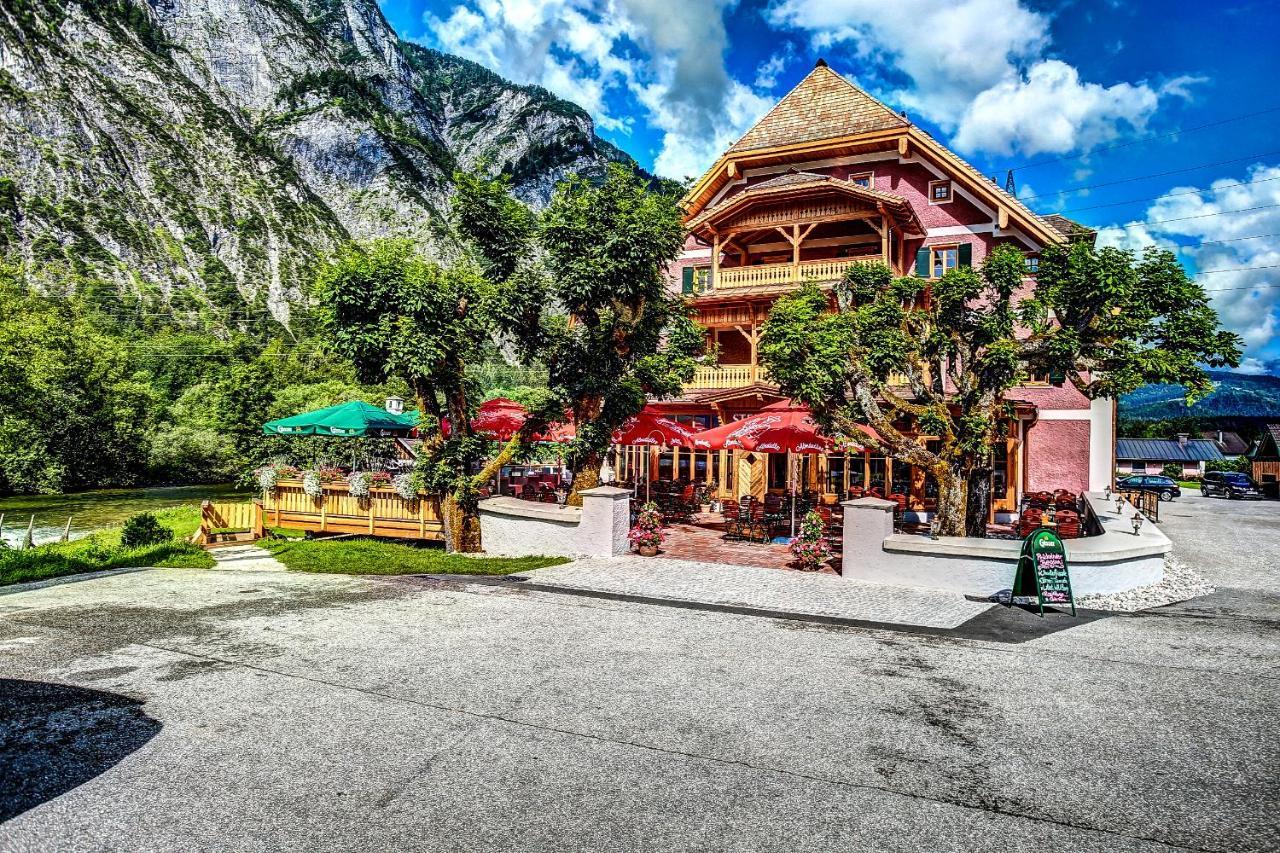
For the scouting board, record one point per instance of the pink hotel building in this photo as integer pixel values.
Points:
(831, 177)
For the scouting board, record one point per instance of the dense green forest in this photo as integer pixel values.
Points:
(99, 389)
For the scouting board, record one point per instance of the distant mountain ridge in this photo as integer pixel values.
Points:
(1236, 395)
(221, 146)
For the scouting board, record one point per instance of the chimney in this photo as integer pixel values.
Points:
(395, 405)
(1182, 439)
(1221, 443)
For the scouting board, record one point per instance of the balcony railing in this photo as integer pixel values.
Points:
(722, 376)
(765, 275)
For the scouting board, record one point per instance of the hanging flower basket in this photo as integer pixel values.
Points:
(359, 483)
(312, 485)
(405, 487)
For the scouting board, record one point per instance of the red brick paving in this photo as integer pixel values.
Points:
(703, 540)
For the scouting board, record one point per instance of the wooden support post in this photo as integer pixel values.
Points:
(795, 256)
(370, 515)
(422, 517)
(715, 263)
(324, 508)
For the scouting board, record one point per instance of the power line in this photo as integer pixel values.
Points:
(1144, 140)
(1150, 175)
(1238, 269)
(1171, 195)
(1232, 240)
(1206, 215)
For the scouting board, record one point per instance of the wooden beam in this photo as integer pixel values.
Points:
(731, 169)
(1002, 218)
(795, 269)
(904, 147)
(715, 262)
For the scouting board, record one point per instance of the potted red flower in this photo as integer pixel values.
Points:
(647, 534)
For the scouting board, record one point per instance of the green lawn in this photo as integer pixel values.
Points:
(378, 557)
(102, 550)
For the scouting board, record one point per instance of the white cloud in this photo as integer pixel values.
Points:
(978, 69)
(668, 59)
(1251, 366)
(767, 73)
(1247, 300)
(1049, 110)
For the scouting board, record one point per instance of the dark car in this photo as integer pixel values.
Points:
(1166, 488)
(1230, 484)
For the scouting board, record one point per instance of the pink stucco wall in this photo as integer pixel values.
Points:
(1057, 456)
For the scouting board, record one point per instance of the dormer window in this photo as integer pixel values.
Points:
(863, 179)
(939, 192)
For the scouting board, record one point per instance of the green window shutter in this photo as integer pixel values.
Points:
(686, 281)
(964, 258)
(922, 263)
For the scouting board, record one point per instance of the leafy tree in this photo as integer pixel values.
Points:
(607, 248)
(395, 314)
(912, 357)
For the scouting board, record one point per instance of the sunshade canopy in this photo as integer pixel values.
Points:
(651, 428)
(351, 420)
(782, 427)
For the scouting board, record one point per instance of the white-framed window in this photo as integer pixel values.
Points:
(942, 259)
(939, 192)
(1032, 264)
(864, 179)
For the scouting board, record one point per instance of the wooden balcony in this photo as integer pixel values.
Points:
(722, 376)
(774, 275)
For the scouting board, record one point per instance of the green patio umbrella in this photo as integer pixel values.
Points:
(354, 419)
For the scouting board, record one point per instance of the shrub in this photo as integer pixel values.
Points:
(1173, 472)
(143, 529)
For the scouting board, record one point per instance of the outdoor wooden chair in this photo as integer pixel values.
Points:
(1068, 522)
(761, 523)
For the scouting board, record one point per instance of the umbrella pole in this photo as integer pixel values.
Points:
(793, 495)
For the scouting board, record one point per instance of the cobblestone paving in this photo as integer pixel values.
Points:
(746, 586)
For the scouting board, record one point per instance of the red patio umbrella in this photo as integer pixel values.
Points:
(782, 427)
(499, 419)
(650, 428)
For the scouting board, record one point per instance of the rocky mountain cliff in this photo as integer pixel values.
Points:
(219, 146)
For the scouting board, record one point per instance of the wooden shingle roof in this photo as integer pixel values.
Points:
(823, 105)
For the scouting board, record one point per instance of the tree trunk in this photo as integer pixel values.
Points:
(586, 475)
(978, 484)
(952, 501)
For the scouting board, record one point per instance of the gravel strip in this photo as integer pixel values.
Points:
(1180, 583)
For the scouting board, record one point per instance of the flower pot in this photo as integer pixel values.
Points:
(647, 550)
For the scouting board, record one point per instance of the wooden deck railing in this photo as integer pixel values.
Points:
(722, 376)
(732, 278)
(383, 513)
(229, 522)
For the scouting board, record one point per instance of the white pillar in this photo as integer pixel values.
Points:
(606, 518)
(867, 523)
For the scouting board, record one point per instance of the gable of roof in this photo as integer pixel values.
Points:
(1167, 450)
(1231, 444)
(823, 105)
(780, 187)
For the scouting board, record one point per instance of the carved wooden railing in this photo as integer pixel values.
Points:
(382, 513)
(731, 278)
(722, 376)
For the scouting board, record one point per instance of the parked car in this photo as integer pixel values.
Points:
(1229, 484)
(1166, 488)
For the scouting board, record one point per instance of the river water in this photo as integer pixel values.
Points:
(90, 511)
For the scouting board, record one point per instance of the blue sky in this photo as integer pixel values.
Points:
(1094, 105)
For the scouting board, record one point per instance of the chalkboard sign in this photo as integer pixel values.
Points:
(1042, 571)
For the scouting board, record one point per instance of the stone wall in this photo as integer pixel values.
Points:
(510, 527)
(1115, 561)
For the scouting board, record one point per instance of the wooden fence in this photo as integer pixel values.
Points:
(382, 513)
(226, 523)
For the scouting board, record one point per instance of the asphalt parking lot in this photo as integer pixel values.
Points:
(225, 710)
